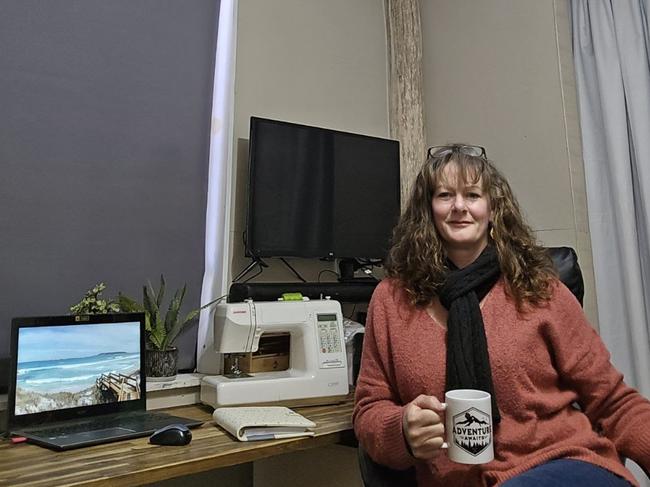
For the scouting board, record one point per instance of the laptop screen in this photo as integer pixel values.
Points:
(64, 367)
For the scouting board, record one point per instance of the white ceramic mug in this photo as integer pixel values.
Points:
(468, 426)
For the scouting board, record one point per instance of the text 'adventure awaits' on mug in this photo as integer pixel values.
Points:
(468, 426)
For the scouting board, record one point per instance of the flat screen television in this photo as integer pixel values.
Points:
(320, 193)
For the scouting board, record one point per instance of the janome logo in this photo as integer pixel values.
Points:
(472, 430)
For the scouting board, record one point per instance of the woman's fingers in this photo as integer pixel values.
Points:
(423, 426)
(428, 402)
(425, 435)
(428, 448)
(421, 417)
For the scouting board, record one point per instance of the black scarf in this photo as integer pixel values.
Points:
(468, 362)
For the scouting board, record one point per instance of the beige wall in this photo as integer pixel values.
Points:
(312, 62)
(319, 63)
(499, 74)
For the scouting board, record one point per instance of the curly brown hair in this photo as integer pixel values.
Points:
(418, 257)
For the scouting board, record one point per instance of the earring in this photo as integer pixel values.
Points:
(491, 231)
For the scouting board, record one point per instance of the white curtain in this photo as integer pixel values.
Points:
(217, 222)
(610, 42)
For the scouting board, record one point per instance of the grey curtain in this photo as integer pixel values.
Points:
(104, 136)
(612, 62)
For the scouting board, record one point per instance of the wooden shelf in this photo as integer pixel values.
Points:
(182, 391)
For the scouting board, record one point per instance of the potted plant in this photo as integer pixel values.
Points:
(162, 327)
(93, 304)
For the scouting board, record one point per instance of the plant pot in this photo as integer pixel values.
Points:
(161, 365)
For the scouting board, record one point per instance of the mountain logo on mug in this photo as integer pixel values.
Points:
(472, 430)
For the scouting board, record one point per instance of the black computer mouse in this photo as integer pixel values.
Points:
(173, 434)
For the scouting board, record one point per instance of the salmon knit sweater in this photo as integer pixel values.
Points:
(542, 362)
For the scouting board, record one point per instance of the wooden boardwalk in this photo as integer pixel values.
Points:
(119, 386)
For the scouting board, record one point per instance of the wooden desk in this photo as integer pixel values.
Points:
(136, 462)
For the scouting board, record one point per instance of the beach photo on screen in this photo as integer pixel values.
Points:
(63, 367)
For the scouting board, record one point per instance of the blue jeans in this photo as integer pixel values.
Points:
(569, 473)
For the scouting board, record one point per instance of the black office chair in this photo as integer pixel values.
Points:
(374, 474)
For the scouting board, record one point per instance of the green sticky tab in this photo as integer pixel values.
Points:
(292, 296)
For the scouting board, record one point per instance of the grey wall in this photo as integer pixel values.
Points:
(104, 133)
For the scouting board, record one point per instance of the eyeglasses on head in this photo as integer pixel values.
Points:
(468, 150)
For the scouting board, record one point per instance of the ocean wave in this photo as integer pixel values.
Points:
(78, 378)
(22, 370)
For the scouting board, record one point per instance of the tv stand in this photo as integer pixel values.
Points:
(255, 261)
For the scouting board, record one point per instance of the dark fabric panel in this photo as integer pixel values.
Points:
(104, 136)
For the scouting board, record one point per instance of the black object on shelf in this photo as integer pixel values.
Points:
(357, 347)
(347, 268)
(345, 292)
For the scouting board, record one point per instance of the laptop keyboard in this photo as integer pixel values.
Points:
(136, 421)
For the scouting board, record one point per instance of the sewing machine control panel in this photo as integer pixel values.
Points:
(330, 351)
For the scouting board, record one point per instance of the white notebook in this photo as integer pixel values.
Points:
(263, 422)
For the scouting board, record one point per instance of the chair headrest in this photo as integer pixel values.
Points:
(565, 260)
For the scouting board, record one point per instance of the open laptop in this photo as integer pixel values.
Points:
(79, 380)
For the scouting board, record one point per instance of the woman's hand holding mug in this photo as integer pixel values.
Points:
(423, 427)
(468, 420)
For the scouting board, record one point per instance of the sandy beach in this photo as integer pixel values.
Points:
(28, 402)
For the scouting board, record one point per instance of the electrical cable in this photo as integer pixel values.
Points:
(351, 317)
(293, 270)
(219, 299)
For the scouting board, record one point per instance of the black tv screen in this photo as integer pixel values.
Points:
(320, 193)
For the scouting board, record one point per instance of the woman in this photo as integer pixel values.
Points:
(472, 302)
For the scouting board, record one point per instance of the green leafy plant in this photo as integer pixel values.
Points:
(162, 326)
(93, 304)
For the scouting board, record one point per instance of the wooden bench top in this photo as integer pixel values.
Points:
(136, 462)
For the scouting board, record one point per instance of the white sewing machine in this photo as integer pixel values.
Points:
(312, 370)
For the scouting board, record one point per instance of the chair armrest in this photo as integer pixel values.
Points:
(377, 475)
